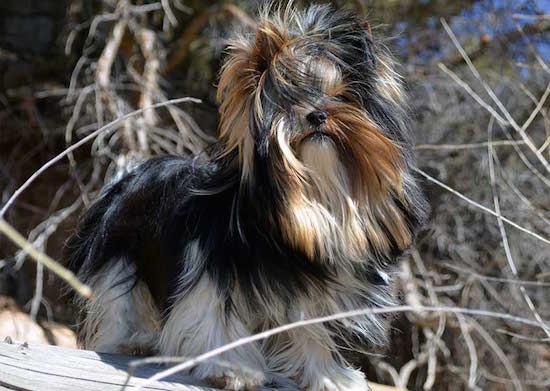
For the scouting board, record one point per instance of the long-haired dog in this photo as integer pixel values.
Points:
(301, 210)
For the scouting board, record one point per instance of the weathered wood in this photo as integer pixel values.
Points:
(45, 367)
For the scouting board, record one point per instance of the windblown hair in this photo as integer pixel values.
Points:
(302, 210)
(301, 65)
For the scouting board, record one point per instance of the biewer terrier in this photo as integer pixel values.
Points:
(301, 210)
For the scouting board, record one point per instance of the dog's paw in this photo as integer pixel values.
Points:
(346, 385)
(224, 378)
(234, 382)
(139, 344)
(341, 379)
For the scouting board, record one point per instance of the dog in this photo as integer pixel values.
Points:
(300, 210)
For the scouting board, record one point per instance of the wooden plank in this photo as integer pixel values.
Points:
(44, 367)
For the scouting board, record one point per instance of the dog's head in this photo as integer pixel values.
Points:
(312, 97)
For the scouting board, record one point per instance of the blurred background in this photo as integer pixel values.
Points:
(478, 76)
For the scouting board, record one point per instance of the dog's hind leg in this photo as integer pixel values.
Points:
(121, 316)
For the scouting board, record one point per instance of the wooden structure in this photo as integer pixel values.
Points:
(45, 367)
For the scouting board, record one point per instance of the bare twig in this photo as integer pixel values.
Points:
(461, 269)
(107, 58)
(437, 147)
(497, 116)
(42, 258)
(181, 48)
(342, 315)
(499, 353)
(464, 328)
(83, 141)
(482, 207)
(496, 100)
(473, 94)
(503, 234)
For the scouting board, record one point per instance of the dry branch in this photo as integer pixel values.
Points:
(486, 42)
(186, 365)
(181, 48)
(109, 127)
(521, 130)
(43, 259)
(482, 207)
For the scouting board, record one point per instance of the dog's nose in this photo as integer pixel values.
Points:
(316, 118)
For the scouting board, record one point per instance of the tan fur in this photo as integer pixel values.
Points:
(236, 95)
(351, 204)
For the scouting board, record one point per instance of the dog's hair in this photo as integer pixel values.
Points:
(301, 210)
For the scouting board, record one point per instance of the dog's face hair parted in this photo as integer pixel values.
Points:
(300, 210)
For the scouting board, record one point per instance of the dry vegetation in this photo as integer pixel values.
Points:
(483, 135)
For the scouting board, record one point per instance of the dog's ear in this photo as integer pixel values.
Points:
(237, 90)
(269, 41)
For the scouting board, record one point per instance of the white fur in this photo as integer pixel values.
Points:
(308, 354)
(199, 323)
(329, 204)
(121, 315)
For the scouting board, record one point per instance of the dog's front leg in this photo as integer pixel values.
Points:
(198, 323)
(309, 356)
